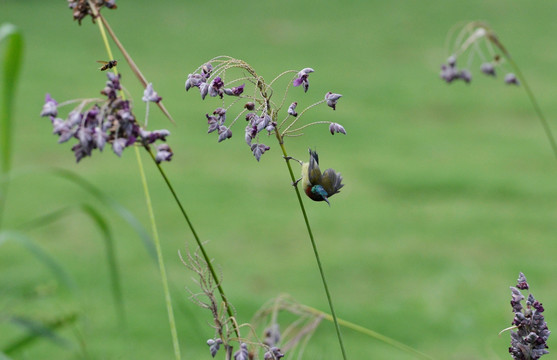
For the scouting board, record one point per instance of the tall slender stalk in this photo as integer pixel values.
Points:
(314, 246)
(160, 258)
(197, 240)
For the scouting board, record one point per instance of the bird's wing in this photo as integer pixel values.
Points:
(331, 182)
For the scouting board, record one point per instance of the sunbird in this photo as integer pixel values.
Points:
(318, 186)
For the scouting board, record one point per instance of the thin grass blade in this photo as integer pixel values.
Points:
(114, 205)
(26, 242)
(37, 330)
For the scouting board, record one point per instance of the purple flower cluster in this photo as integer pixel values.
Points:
(112, 122)
(528, 342)
(209, 81)
(81, 8)
(450, 72)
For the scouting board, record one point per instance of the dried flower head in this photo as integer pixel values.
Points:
(529, 333)
(475, 39)
(81, 8)
(107, 121)
(261, 105)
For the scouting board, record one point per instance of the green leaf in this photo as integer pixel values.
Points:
(103, 227)
(11, 64)
(37, 330)
(26, 242)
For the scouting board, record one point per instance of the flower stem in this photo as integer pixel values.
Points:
(162, 270)
(314, 246)
(168, 300)
(198, 241)
(537, 108)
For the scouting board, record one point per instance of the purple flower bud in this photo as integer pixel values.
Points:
(262, 122)
(332, 99)
(235, 91)
(164, 153)
(488, 69)
(522, 283)
(465, 75)
(258, 150)
(224, 133)
(510, 78)
(273, 354)
(249, 106)
(334, 127)
(50, 107)
(80, 152)
(220, 114)
(302, 78)
(118, 146)
(214, 346)
(194, 80)
(99, 138)
(203, 89)
(215, 88)
(448, 73)
(113, 80)
(292, 109)
(243, 353)
(75, 117)
(206, 70)
(271, 127)
(150, 95)
(213, 123)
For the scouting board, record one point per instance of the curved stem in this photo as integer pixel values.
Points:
(537, 108)
(198, 241)
(314, 246)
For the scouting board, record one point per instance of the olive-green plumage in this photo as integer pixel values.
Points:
(319, 186)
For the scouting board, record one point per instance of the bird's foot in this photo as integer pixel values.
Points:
(291, 158)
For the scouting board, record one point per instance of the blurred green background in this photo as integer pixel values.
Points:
(450, 190)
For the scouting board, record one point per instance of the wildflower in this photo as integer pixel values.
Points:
(243, 353)
(510, 78)
(224, 133)
(194, 80)
(50, 107)
(273, 354)
(292, 109)
(249, 106)
(334, 127)
(528, 342)
(488, 69)
(302, 78)
(465, 75)
(215, 87)
(258, 150)
(164, 153)
(150, 95)
(332, 99)
(235, 91)
(113, 122)
(214, 345)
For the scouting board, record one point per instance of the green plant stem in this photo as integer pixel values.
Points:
(162, 270)
(534, 102)
(197, 240)
(314, 246)
(160, 258)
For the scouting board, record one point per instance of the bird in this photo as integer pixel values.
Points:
(318, 186)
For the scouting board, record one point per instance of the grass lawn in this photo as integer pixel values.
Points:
(450, 190)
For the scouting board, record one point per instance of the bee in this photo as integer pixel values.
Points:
(107, 64)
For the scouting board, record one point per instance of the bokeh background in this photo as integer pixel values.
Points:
(450, 189)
